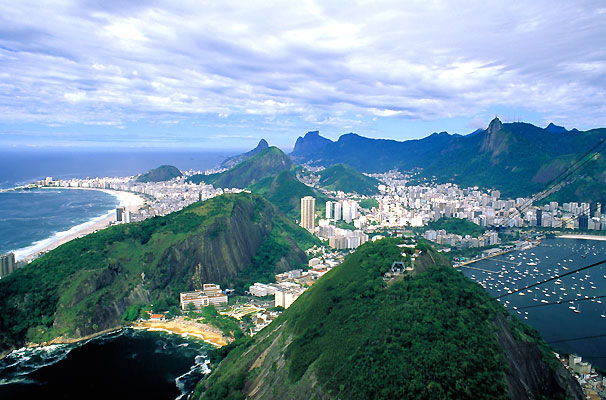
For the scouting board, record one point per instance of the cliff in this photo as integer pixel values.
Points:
(85, 285)
(353, 335)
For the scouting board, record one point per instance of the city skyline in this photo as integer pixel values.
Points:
(220, 76)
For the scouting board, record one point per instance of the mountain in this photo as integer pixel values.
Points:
(235, 160)
(344, 178)
(521, 159)
(377, 155)
(432, 334)
(309, 145)
(553, 128)
(160, 174)
(517, 158)
(85, 285)
(285, 192)
(268, 162)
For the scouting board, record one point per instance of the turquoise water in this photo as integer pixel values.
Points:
(33, 217)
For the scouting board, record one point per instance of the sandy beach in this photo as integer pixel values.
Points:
(130, 201)
(180, 326)
(587, 237)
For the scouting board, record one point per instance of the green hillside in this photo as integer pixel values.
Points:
(268, 162)
(85, 285)
(455, 226)
(285, 192)
(344, 178)
(160, 174)
(434, 335)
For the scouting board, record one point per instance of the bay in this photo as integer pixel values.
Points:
(582, 332)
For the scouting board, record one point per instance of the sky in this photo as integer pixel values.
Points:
(224, 74)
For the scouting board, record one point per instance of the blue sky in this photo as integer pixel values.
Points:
(223, 74)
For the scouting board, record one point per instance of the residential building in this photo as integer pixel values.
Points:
(308, 212)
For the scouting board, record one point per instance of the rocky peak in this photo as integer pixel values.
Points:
(494, 138)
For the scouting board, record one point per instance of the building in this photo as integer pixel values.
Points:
(287, 294)
(328, 210)
(583, 222)
(539, 217)
(119, 214)
(308, 212)
(7, 264)
(210, 294)
(262, 289)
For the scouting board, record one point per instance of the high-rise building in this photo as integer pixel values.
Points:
(337, 211)
(539, 217)
(346, 211)
(328, 210)
(7, 264)
(119, 214)
(308, 212)
(583, 221)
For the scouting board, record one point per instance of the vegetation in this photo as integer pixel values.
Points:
(209, 315)
(342, 177)
(231, 162)
(162, 173)
(98, 281)
(285, 192)
(353, 335)
(457, 226)
(368, 203)
(268, 162)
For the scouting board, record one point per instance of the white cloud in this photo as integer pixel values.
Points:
(419, 60)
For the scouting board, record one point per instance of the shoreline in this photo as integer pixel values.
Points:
(179, 326)
(584, 237)
(131, 201)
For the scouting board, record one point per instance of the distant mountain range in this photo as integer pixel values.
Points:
(517, 158)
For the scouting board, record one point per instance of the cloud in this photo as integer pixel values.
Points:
(117, 63)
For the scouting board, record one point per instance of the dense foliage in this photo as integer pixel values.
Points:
(162, 173)
(72, 289)
(268, 162)
(457, 226)
(342, 177)
(285, 192)
(422, 337)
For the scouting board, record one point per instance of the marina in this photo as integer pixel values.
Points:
(565, 310)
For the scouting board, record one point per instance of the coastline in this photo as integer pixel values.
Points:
(179, 326)
(585, 237)
(131, 201)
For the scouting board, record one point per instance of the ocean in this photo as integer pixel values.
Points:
(30, 219)
(582, 331)
(127, 364)
(19, 167)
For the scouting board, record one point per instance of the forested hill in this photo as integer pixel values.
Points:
(231, 162)
(85, 285)
(354, 335)
(344, 178)
(517, 158)
(160, 174)
(268, 162)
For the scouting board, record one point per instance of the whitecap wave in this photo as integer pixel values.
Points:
(21, 362)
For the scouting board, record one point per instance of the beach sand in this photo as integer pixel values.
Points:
(587, 237)
(180, 326)
(130, 201)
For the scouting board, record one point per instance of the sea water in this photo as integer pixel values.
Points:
(31, 219)
(127, 364)
(582, 331)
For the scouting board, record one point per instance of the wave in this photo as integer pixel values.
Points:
(24, 252)
(186, 383)
(21, 362)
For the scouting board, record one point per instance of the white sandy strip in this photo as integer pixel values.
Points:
(131, 201)
(586, 237)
